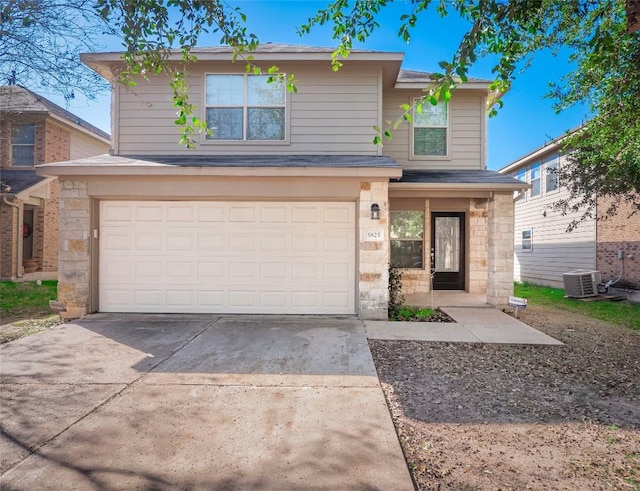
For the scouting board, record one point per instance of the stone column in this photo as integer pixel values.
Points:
(73, 258)
(478, 245)
(373, 254)
(500, 248)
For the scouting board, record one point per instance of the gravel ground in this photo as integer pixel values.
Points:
(499, 417)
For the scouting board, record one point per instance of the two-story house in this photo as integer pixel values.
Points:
(34, 130)
(545, 249)
(288, 206)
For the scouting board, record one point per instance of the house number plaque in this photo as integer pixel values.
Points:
(373, 235)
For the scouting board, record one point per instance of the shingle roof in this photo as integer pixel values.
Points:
(280, 48)
(413, 76)
(18, 99)
(329, 161)
(15, 181)
(457, 177)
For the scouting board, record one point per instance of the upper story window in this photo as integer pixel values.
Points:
(534, 175)
(430, 128)
(23, 137)
(407, 239)
(551, 173)
(245, 107)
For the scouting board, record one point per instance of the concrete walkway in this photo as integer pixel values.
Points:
(196, 402)
(473, 325)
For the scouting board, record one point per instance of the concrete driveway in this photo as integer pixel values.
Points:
(196, 402)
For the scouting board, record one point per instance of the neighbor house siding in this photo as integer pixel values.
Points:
(85, 146)
(466, 127)
(332, 113)
(554, 250)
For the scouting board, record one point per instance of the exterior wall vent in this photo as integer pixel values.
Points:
(581, 283)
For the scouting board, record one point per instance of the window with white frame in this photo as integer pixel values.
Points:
(407, 239)
(527, 240)
(534, 179)
(245, 107)
(551, 173)
(430, 127)
(23, 137)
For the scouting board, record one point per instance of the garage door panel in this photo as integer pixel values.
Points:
(176, 298)
(227, 257)
(211, 242)
(305, 214)
(274, 214)
(210, 299)
(211, 212)
(274, 270)
(242, 213)
(180, 242)
(114, 213)
(181, 213)
(149, 270)
(146, 241)
(242, 242)
(148, 212)
(145, 297)
(338, 215)
(208, 270)
(270, 300)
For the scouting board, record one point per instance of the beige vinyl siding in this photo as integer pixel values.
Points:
(555, 251)
(466, 115)
(332, 113)
(83, 146)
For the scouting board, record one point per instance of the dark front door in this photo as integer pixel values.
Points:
(447, 250)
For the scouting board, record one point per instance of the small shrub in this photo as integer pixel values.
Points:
(396, 299)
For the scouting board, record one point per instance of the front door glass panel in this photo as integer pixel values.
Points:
(447, 244)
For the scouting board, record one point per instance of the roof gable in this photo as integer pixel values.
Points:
(20, 100)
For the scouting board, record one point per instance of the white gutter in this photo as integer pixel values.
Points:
(18, 233)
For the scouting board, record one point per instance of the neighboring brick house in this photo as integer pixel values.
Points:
(288, 207)
(34, 130)
(544, 250)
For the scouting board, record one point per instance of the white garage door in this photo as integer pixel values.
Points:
(227, 257)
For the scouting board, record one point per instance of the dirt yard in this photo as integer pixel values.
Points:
(498, 417)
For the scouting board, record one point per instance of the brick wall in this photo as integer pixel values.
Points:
(5, 142)
(620, 232)
(8, 241)
(57, 146)
(50, 214)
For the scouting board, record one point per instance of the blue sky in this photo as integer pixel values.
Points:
(526, 121)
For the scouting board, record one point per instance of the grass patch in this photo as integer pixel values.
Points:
(406, 313)
(622, 313)
(26, 300)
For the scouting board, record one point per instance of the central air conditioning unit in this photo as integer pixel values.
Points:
(581, 283)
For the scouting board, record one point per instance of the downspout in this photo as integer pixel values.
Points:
(19, 235)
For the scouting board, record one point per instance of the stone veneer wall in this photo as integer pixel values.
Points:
(73, 257)
(478, 243)
(500, 227)
(373, 256)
